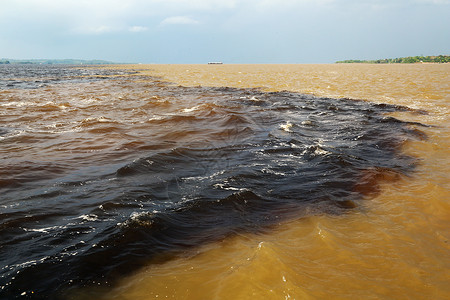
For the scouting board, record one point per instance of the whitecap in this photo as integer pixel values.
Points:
(191, 109)
(287, 127)
(90, 217)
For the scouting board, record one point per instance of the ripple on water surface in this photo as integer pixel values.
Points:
(149, 170)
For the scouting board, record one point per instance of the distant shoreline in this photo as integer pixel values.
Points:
(7, 61)
(401, 60)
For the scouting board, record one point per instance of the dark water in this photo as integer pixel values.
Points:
(38, 76)
(93, 190)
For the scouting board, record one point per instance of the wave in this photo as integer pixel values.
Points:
(214, 163)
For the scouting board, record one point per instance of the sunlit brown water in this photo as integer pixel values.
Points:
(396, 246)
(76, 162)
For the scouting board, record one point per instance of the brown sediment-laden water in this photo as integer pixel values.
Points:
(224, 181)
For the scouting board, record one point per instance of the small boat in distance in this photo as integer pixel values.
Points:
(215, 63)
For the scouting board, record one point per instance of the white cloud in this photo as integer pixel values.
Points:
(179, 20)
(437, 2)
(137, 28)
(113, 8)
(104, 16)
(100, 29)
(190, 5)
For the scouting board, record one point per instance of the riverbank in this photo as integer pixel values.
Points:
(403, 60)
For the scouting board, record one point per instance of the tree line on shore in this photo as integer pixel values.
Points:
(402, 60)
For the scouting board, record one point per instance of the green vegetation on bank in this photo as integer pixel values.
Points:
(55, 61)
(402, 60)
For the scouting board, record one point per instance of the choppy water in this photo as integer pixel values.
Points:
(104, 172)
(38, 76)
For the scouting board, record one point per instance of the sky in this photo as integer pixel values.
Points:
(231, 31)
